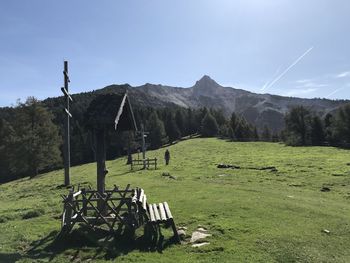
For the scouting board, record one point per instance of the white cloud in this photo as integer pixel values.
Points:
(299, 92)
(343, 74)
(301, 81)
(312, 85)
(308, 83)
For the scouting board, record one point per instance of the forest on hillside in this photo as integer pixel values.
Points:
(31, 132)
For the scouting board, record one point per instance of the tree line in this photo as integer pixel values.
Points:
(31, 132)
(305, 127)
(29, 141)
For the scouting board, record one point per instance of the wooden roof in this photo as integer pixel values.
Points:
(111, 109)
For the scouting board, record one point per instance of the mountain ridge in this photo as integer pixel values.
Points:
(258, 109)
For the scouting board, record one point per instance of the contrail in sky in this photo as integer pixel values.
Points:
(265, 87)
(333, 92)
(272, 78)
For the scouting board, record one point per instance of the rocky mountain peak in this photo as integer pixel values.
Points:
(206, 86)
(206, 82)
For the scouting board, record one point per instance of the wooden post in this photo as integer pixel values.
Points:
(143, 146)
(66, 129)
(83, 193)
(69, 210)
(101, 162)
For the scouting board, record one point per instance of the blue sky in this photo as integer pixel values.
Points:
(287, 47)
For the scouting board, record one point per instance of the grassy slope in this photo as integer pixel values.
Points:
(254, 216)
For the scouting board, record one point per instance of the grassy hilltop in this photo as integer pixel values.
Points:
(253, 215)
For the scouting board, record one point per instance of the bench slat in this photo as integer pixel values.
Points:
(134, 197)
(142, 192)
(156, 213)
(167, 210)
(151, 213)
(76, 194)
(162, 212)
(144, 202)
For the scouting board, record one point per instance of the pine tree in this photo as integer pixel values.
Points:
(209, 126)
(242, 130)
(239, 131)
(224, 131)
(255, 134)
(171, 128)
(180, 122)
(317, 131)
(231, 133)
(275, 137)
(329, 129)
(219, 117)
(37, 141)
(298, 126)
(342, 124)
(191, 122)
(199, 116)
(6, 150)
(266, 134)
(157, 136)
(233, 122)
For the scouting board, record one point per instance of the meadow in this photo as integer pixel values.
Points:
(298, 212)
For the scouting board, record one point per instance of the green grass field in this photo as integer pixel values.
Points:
(253, 215)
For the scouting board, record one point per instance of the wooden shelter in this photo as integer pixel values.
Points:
(115, 208)
(104, 111)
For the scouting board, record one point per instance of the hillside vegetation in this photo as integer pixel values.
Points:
(253, 215)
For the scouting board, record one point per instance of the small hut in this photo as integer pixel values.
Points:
(103, 112)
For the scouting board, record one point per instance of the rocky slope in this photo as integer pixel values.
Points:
(260, 109)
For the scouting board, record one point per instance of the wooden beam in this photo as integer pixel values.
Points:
(144, 202)
(142, 192)
(167, 210)
(151, 213)
(101, 163)
(66, 151)
(76, 194)
(162, 212)
(156, 213)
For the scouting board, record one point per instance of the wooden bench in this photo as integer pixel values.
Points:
(116, 208)
(155, 214)
(145, 163)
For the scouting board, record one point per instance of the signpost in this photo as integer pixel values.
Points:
(143, 136)
(66, 152)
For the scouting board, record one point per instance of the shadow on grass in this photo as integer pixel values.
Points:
(10, 257)
(96, 244)
(125, 173)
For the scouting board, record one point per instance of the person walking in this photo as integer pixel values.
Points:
(167, 156)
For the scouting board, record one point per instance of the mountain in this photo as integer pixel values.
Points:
(259, 109)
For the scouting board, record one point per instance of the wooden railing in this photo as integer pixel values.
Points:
(146, 163)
